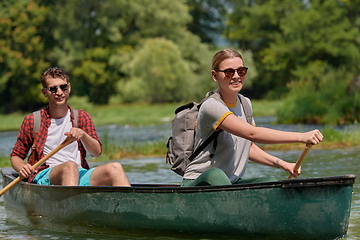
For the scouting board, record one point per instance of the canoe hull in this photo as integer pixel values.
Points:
(316, 208)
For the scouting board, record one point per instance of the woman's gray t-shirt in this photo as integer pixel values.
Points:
(232, 152)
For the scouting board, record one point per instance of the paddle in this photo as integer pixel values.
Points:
(301, 158)
(66, 142)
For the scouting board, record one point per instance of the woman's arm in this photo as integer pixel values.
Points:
(239, 127)
(260, 156)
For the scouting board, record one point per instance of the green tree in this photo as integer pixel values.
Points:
(158, 73)
(287, 36)
(303, 48)
(22, 57)
(330, 101)
(208, 21)
(95, 40)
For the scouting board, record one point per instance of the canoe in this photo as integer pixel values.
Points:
(311, 208)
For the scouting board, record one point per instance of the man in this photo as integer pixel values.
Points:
(68, 166)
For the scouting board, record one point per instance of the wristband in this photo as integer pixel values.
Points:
(276, 163)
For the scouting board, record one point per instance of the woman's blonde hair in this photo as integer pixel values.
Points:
(222, 55)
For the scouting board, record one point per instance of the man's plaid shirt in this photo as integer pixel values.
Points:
(25, 139)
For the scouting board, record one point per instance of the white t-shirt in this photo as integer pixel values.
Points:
(232, 152)
(55, 137)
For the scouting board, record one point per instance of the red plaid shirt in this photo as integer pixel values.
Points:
(25, 137)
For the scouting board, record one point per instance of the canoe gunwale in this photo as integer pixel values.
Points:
(175, 188)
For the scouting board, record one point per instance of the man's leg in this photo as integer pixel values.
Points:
(111, 174)
(66, 174)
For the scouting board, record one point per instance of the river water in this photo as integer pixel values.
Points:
(318, 163)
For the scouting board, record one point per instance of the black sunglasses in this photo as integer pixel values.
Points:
(229, 73)
(54, 89)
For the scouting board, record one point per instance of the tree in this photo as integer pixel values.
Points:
(21, 55)
(289, 35)
(159, 74)
(95, 39)
(208, 21)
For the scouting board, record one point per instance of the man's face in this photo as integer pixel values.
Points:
(57, 91)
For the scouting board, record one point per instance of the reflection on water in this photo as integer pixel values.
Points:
(318, 163)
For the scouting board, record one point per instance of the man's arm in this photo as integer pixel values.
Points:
(24, 169)
(91, 145)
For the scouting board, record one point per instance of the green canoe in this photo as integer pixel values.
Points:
(312, 208)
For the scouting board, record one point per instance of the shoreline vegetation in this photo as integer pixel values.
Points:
(145, 114)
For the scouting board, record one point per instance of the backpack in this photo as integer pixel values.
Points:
(181, 144)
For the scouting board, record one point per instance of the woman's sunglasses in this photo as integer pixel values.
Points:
(229, 73)
(54, 89)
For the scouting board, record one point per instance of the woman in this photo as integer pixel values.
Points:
(235, 144)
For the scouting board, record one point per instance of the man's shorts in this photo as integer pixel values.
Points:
(43, 177)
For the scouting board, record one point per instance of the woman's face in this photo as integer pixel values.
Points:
(229, 84)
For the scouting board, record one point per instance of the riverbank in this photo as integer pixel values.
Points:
(157, 148)
(131, 114)
(145, 115)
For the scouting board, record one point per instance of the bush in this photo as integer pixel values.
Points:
(323, 95)
(158, 74)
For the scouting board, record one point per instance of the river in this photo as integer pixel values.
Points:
(318, 163)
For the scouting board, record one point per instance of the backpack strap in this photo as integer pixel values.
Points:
(244, 103)
(213, 136)
(36, 128)
(76, 113)
(248, 115)
(37, 121)
(204, 144)
(247, 109)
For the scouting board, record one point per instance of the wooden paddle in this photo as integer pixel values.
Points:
(301, 158)
(66, 142)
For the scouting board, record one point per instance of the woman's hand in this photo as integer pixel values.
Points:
(290, 167)
(314, 137)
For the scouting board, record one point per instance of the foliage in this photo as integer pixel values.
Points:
(159, 69)
(324, 96)
(21, 54)
(290, 34)
(77, 102)
(305, 50)
(94, 42)
(160, 51)
(5, 161)
(207, 19)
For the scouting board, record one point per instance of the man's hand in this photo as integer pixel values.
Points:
(26, 171)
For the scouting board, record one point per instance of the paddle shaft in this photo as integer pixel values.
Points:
(66, 142)
(301, 158)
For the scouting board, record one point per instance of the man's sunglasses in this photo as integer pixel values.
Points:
(229, 73)
(54, 89)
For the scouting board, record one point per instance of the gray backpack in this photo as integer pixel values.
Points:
(181, 144)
